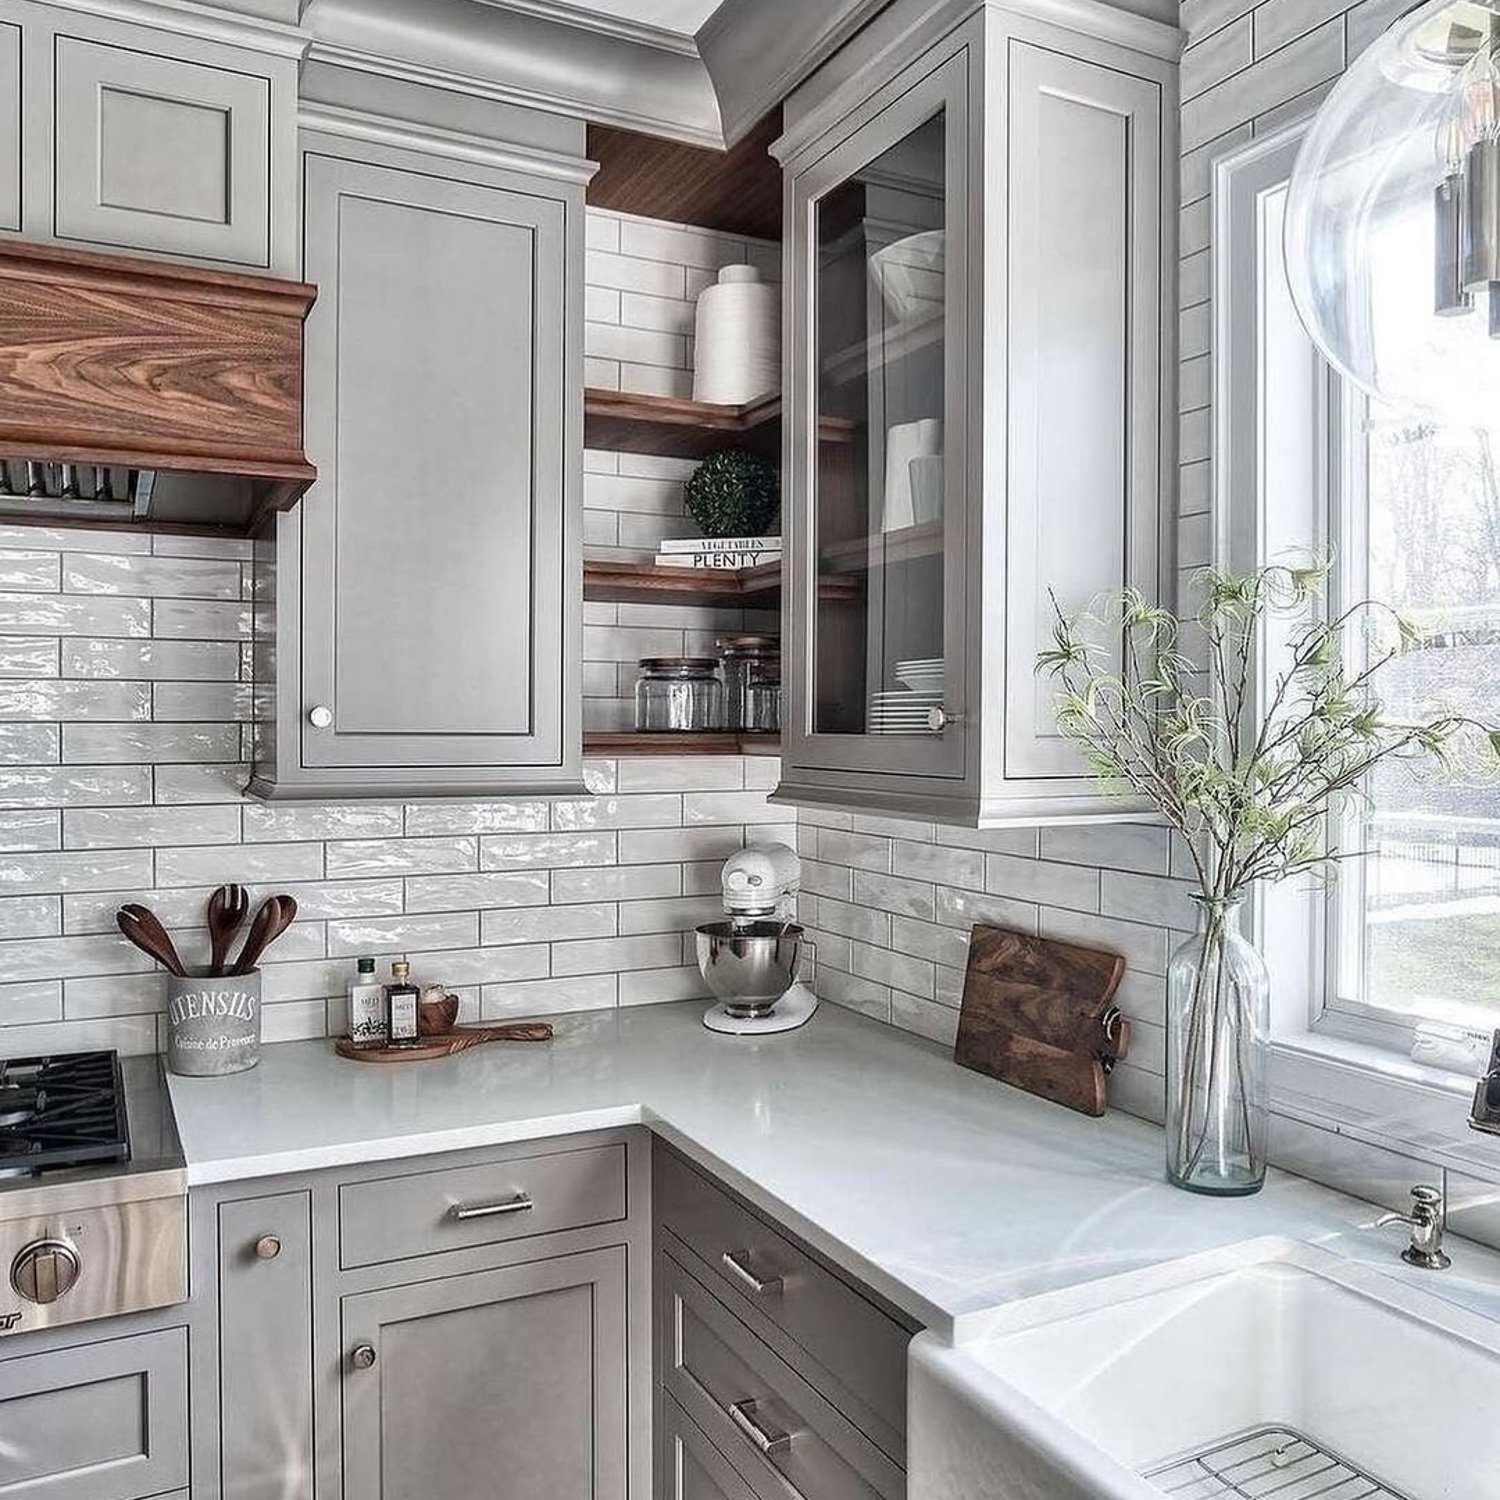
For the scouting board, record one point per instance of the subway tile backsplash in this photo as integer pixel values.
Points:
(124, 700)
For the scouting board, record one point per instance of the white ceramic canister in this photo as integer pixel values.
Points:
(737, 338)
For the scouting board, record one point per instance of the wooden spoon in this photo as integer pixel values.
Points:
(274, 917)
(227, 909)
(141, 927)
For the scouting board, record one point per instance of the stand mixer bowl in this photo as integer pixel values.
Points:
(749, 966)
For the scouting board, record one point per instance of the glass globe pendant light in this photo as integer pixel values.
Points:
(1393, 216)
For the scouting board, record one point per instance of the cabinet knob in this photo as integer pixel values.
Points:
(320, 716)
(363, 1356)
(938, 719)
(268, 1247)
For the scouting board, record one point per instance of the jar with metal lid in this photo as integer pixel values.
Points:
(741, 657)
(680, 693)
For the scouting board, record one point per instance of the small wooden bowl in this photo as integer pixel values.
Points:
(436, 1017)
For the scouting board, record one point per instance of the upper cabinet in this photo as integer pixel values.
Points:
(420, 633)
(121, 136)
(979, 331)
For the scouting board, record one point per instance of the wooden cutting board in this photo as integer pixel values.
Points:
(1040, 1014)
(460, 1039)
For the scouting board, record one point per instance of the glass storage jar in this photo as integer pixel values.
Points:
(681, 693)
(762, 698)
(742, 660)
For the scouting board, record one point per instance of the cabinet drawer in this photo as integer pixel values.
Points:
(771, 1423)
(100, 1421)
(162, 153)
(426, 1212)
(688, 1466)
(861, 1349)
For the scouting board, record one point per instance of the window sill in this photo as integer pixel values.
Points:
(1378, 1097)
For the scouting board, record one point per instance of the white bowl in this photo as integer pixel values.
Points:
(910, 274)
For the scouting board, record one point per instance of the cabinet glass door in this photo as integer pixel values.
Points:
(884, 503)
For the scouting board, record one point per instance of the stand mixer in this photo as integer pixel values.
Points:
(750, 961)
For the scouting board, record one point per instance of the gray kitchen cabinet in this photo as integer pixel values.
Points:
(105, 1419)
(424, 634)
(979, 332)
(161, 154)
(175, 142)
(508, 1382)
(777, 1376)
(10, 126)
(265, 1340)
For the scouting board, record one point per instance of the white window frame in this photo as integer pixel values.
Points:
(1330, 1066)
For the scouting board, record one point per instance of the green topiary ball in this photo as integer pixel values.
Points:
(734, 493)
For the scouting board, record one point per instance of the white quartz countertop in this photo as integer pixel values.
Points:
(947, 1192)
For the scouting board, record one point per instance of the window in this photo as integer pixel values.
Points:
(1418, 919)
(1410, 511)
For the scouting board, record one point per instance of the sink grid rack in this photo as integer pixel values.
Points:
(1270, 1463)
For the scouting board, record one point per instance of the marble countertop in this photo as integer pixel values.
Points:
(947, 1192)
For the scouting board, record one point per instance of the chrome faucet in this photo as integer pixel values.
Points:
(1426, 1224)
(1486, 1112)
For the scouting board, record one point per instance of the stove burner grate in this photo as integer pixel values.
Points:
(64, 1111)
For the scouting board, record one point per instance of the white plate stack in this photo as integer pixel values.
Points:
(924, 675)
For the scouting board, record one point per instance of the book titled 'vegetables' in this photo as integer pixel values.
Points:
(721, 544)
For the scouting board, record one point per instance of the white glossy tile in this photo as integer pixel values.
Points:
(546, 851)
(100, 744)
(616, 882)
(662, 986)
(177, 577)
(28, 656)
(30, 830)
(125, 827)
(200, 620)
(28, 1002)
(177, 661)
(249, 864)
(331, 820)
(405, 934)
(397, 856)
(526, 888)
(662, 810)
(73, 786)
(545, 924)
(527, 815)
(174, 701)
(615, 955)
(30, 916)
(57, 614)
(545, 997)
(126, 869)
(54, 698)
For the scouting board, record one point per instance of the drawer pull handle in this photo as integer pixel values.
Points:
(463, 1212)
(770, 1441)
(733, 1262)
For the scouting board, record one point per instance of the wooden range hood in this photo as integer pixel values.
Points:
(142, 394)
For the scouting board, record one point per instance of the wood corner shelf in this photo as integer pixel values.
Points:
(675, 427)
(665, 742)
(610, 582)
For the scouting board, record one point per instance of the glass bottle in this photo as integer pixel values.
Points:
(367, 1008)
(1218, 1028)
(401, 997)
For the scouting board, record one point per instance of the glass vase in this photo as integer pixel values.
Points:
(1218, 1027)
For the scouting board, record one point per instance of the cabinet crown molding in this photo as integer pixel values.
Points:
(243, 24)
(539, 54)
(435, 140)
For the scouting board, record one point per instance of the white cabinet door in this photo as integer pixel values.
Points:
(1085, 302)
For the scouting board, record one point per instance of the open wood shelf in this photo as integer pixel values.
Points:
(608, 582)
(728, 742)
(842, 560)
(674, 427)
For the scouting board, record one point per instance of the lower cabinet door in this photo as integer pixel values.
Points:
(500, 1383)
(100, 1421)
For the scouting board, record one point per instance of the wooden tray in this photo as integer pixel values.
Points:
(1040, 1014)
(460, 1039)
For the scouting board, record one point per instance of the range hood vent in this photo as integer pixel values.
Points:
(135, 393)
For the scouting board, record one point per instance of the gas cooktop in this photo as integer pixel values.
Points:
(64, 1111)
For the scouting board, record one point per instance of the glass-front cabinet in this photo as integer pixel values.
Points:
(977, 413)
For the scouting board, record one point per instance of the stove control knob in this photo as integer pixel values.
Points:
(45, 1271)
